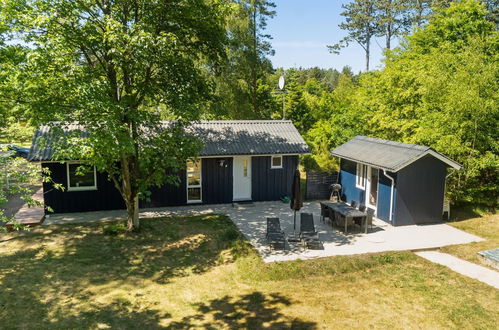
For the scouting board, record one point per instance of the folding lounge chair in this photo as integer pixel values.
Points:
(275, 236)
(308, 235)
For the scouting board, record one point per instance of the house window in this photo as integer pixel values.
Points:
(245, 168)
(81, 177)
(360, 179)
(194, 181)
(276, 162)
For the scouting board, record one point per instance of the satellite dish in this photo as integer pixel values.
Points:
(281, 82)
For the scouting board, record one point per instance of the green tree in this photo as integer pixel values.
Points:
(117, 67)
(17, 177)
(392, 18)
(361, 25)
(440, 89)
(241, 84)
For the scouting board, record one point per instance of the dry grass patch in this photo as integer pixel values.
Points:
(199, 272)
(485, 225)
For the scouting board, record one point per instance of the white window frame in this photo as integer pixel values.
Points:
(94, 187)
(272, 162)
(361, 176)
(200, 185)
(245, 167)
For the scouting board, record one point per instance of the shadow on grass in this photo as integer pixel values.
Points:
(46, 281)
(252, 311)
(465, 212)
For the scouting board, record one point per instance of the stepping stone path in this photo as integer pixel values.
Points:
(466, 268)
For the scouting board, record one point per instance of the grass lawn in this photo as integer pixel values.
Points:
(485, 225)
(199, 272)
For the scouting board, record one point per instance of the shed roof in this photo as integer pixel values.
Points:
(220, 138)
(386, 154)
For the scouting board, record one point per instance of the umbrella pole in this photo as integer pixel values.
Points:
(294, 224)
(294, 238)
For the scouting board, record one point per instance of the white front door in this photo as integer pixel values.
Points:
(242, 178)
(372, 187)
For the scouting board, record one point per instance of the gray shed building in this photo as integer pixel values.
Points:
(403, 183)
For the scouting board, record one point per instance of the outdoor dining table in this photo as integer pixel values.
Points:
(347, 211)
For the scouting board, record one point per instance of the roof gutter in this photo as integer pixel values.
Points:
(391, 194)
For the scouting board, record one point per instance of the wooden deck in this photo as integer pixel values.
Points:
(30, 216)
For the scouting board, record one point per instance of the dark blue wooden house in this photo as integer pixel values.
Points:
(250, 160)
(403, 183)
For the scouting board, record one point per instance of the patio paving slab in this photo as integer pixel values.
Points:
(31, 216)
(251, 221)
(466, 268)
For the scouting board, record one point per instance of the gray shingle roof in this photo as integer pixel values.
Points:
(220, 138)
(385, 154)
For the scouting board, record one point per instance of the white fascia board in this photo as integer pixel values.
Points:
(435, 154)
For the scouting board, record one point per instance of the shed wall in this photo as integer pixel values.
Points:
(420, 192)
(168, 194)
(106, 197)
(271, 184)
(217, 180)
(384, 195)
(217, 187)
(349, 192)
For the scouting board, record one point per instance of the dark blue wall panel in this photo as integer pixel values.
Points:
(217, 187)
(271, 184)
(349, 191)
(106, 197)
(384, 195)
(217, 180)
(420, 192)
(168, 194)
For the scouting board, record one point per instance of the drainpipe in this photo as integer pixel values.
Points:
(391, 195)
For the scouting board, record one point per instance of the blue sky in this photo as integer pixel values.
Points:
(302, 29)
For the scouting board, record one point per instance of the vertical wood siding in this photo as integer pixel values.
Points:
(106, 197)
(319, 183)
(217, 187)
(420, 192)
(271, 184)
(217, 181)
(384, 195)
(168, 194)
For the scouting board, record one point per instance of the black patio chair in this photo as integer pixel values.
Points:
(275, 235)
(324, 212)
(308, 235)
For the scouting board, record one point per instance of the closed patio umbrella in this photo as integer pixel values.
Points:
(296, 199)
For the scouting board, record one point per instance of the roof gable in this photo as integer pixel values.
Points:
(385, 154)
(220, 138)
